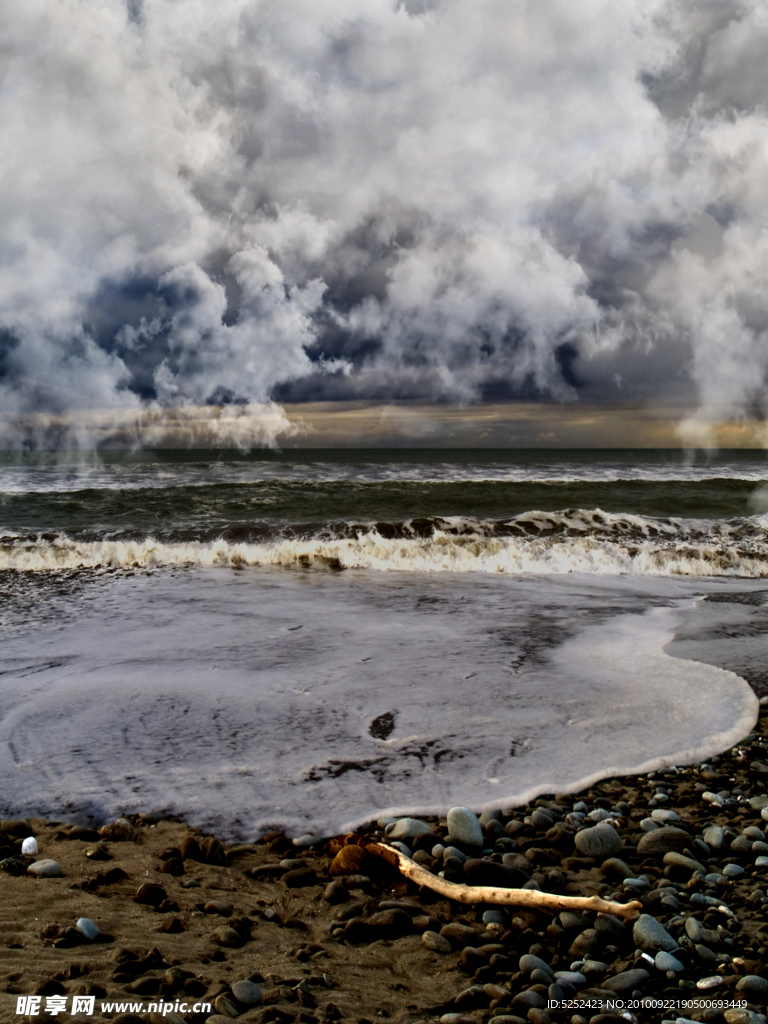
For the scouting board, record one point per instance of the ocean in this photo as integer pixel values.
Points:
(308, 639)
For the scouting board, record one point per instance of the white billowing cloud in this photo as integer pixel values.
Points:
(207, 202)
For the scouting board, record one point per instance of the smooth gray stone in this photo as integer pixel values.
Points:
(693, 930)
(45, 868)
(754, 833)
(649, 825)
(733, 871)
(407, 828)
(437, 943)
(599, 814)
(651, 936)
(530, 963)
(681, 861)
(752, 984)
(714, 836)
(759, 848)
(463, 827)
(247, 992)
(663, 840)
(666, 962)
(601, 841)
(664, 816)
(627, 981)
(575, 978)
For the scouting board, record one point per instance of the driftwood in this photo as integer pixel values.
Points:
(489, 894)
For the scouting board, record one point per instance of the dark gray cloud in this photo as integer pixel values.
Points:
(287, 200)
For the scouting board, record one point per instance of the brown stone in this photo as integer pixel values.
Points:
(350, 860)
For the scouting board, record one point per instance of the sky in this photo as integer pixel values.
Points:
(414, 205)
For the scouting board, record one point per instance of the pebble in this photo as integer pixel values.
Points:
(46, 868)
(29, 847)
(349, 860)
(575, 978)
(666, 839)
(88, 928)
(679, 860)
(733, 870)
(530, 963)
(119, 831)
(248, 993)
(662, 816)
(600, 841)
(627, 981)
(714, 981)
(693, 930)
(218, 907)
(407, 828)
(463, 827)
(651, 936)
(752, 984)
(649, 825)
(437, 943)
(666, 962)
(226, 936)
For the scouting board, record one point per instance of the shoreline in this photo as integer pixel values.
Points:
(365, 944)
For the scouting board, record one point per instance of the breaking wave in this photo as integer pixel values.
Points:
(574, 540)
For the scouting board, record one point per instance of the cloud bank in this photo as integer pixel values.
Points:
(286, 200)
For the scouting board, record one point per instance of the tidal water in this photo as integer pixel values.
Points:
(310, 639)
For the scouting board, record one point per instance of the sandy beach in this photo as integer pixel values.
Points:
(323, 935)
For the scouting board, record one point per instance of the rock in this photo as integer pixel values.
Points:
(650, 935)
(614, 867)
(461, 935)
(213, 851)
(189, 848)
(300, 878)
(530, 1000)
(733, 870)
(471, 998)
(13, 866)
(436, 942)
(752, 985)
(586, 943)
(99, 852)
(218, 907)
(738, 1016)
(226, 936)
(600, 841)
(390, 924)
(407, 828)
(248, 993)
(88, 928)
(150, 894)
(530, 963)
(663, 816)
(480, 871)
(610, 927)
(463, 827)
(29, 847)
(119, 831)
(350, 860)
(714, 836)
(335, 893)
(45, 868)
(678, 860)
(455, 1018)
(693, 930)
(225, 1007)
(667, 839)
(627, 981)
(666, 962)
(574, 978)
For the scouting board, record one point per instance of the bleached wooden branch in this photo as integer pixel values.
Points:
(490, 894)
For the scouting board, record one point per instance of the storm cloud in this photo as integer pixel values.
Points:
(260, 201)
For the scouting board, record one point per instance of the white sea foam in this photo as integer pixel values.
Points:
(576, 548)
(245, 701)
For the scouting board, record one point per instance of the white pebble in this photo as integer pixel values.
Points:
(29, 847)
(88, 928)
